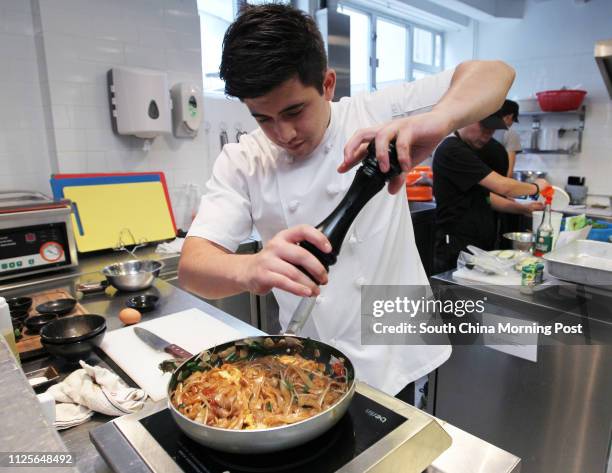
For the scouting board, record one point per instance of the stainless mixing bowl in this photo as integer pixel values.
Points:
(521, 240)
(133, 275)
(528, 175)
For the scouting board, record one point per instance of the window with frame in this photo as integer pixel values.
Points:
(386, 50)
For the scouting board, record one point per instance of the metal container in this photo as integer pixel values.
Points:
(133, 275)
(521, 240)
(274, 438)
(529, 176)
(583, 262)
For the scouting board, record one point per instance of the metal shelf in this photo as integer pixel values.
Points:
(578, 111)
(536, 127)
(548, 151)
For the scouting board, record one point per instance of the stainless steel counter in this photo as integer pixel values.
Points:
(19, 407)
(548, 404)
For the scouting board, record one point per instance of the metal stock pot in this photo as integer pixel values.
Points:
(274, 438)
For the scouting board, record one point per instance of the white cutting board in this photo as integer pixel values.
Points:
(191, 329)
(513, 278)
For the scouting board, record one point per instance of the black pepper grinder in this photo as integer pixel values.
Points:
(368, 181)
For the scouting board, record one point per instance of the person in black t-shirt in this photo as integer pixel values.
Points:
(469, 185)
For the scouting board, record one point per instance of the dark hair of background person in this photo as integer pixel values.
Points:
(268, 45)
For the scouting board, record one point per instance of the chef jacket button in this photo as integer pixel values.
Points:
(319, 300)
(332, 189)
(327, 148)
(360, 281)
(353, 240)
(293, 205)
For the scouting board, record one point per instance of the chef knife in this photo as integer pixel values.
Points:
(159, 344)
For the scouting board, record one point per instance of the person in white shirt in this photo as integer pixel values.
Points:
(292, 171)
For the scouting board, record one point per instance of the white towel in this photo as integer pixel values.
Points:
(170, 247)
(90, 389)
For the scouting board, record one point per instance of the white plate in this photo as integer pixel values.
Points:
(560, 201)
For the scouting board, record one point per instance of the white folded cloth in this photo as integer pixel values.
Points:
(170, 247)
(90, 389)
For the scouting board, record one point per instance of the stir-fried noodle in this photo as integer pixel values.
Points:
(264, 392)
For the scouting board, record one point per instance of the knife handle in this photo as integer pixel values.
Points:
(177, 351)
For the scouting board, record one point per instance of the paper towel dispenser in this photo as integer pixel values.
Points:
(139, 102)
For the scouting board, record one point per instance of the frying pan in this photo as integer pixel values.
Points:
(274, 438)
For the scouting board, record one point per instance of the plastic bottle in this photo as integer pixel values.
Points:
(6, 326)
(544, 235)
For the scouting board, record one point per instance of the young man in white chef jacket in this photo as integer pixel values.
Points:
(292, 171)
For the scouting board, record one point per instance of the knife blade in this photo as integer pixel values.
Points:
(159, 344)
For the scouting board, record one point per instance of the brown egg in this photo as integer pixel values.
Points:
(129, 316)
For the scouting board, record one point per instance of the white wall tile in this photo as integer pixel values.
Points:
(144, 56)
(16, 46)
(70, 140)
(87, 117)
(72, 162)
(184, 61)
(65, 93)
(176, 20)
(16, 6)
(100, 50)
(17, 23)
(96, 93)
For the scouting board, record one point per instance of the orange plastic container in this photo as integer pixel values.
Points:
(418, 184)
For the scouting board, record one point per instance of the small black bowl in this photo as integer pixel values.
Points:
(18, 320)
(57, 307)
(73, 338)
(35, 323)
(73, 329)
(18, 305)
(143, 302)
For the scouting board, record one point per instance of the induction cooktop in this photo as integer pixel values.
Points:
(378, 433)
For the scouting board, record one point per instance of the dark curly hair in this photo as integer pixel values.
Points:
(267, 45)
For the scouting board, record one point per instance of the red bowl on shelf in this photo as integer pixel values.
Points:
(560, 100)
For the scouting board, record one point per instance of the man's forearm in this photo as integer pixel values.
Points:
(478, 89)
(508, 187)
(519, 188)
(209, 271)
(502, 204)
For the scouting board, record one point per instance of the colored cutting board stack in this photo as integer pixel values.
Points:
(106, 206)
